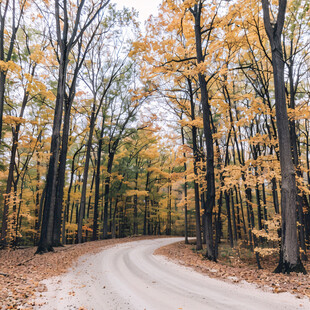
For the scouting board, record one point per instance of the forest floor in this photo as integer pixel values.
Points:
(236, 266)
(21, 272)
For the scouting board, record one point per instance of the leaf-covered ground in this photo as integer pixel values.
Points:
(21, 271)
(235, 266)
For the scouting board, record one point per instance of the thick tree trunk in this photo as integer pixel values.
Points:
(294, 142)
(61, 177)
(46, 237)
(204, 99)
(289, 252)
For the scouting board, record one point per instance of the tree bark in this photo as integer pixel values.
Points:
(294, 142)
(135, 202)
(61, 176)
(185, 192)
(97, 183)
(106, 194)
(204, 100)
(196, 159)
(85, 173)
(146, 206)
(46, 237)
(289, 251)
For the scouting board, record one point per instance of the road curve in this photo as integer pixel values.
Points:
(128, 276)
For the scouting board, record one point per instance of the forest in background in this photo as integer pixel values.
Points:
(197, 126)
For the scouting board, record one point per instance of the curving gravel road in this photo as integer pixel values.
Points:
(129, 276)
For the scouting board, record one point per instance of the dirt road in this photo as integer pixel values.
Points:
(129, 276)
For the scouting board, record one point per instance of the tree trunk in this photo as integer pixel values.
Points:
(185, 191)
(196, 159)
(61, 176)
(146, 206)
(97, 183)
(210, 199)
(135, 203)
(37, 209)
(106, 195)
(289, 252)
(2, 91)
(46, 237)
(294, 142)
(85, 173)
(229, 228)
(168, 229)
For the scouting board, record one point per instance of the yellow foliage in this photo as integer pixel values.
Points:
(9, 66)
(13, 120)
(137, 193)
(3, 66)
(13, 67)
(71, 226)
(271, 234)
(266, 251)
(37, 55)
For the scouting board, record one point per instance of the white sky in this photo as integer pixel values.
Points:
(144, 7)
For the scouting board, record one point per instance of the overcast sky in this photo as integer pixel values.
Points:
(145, 7)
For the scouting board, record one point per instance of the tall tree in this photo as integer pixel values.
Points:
(289, 251)
(206, 109)
(32, 88)
(68, 34)
(11, 12)
(107, 61)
